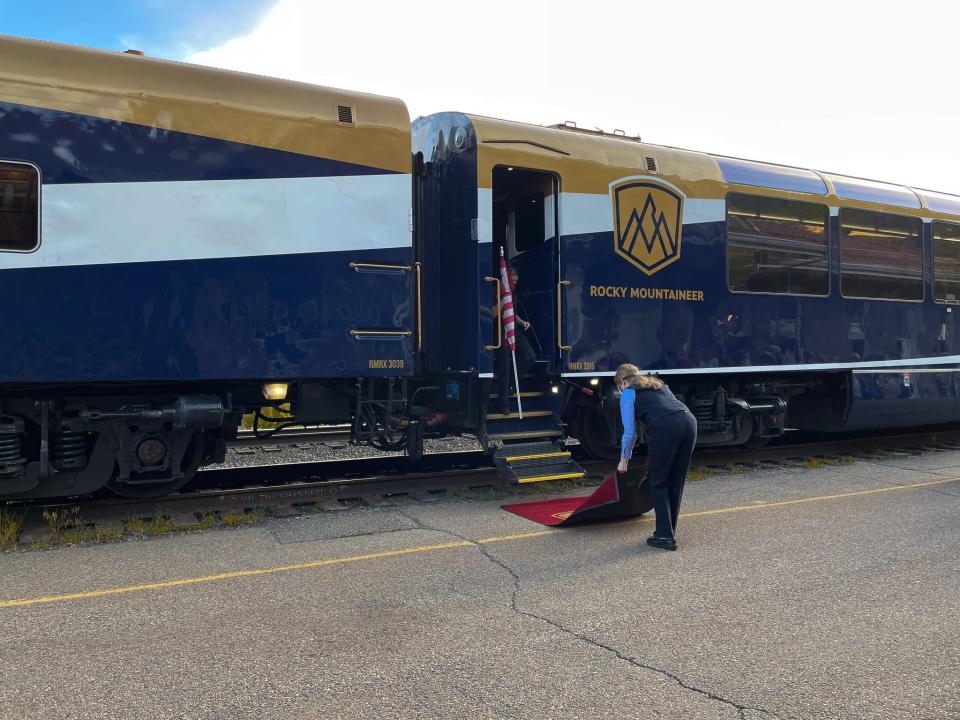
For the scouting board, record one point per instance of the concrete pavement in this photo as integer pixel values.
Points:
(820, 593)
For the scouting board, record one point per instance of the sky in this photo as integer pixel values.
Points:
(172, 29)
(860, 88)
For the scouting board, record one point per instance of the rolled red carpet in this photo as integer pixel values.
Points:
(621, 495)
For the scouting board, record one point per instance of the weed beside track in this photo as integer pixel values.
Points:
(297, 491)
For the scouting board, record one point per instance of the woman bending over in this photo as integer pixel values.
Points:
(671, 433)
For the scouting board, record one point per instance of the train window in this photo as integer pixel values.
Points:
(946, 262)
(881, 256)
(776, 246)
(19, 207)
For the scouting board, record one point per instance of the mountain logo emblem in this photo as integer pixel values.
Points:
(647, 223)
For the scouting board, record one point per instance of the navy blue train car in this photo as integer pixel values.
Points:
(766, 296)
(177, 244)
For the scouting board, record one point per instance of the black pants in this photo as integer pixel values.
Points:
(525, 361)
(670, 442)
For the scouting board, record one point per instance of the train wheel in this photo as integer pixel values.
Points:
(383, 436)
(594, 436)
(140, 486)
(756, 440)
(414, 442)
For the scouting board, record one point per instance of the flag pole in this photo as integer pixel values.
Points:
(509, 322)
(516, 381)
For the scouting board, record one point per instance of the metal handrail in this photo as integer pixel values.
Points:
(499, 316)
(560, 286)
(379, 266)
(418, 269)
(360, 333)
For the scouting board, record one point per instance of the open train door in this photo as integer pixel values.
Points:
(526, 224)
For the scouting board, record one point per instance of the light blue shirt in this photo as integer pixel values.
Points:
(627, 399)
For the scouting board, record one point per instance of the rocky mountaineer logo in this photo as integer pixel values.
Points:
(647, 222)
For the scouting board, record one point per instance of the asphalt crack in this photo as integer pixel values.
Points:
(741, 709)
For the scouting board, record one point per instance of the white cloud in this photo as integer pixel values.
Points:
(861, 88)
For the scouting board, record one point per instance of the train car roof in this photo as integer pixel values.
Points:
(602, 155)
(586, 161)
(223, 104)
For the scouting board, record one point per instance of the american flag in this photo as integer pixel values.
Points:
(506, 305)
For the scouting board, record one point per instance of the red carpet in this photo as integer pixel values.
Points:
(621, 495)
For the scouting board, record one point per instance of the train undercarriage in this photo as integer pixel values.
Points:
(399, 414)
(152, 442)
(728, 414)
(138, 447)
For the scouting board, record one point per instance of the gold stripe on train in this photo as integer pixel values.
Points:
(221, 104)
(590, 163)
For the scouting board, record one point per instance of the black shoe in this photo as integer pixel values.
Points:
(504, 410)
(662, 543)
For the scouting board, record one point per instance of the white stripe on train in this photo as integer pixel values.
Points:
(106, 223)
(859, 367)
(584, 213)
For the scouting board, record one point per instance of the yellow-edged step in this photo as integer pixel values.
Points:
(525, 435)
(516, 416)
(536, 462)
(543, 478)
(537, 456)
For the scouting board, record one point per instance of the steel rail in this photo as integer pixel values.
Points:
(247, 438)
(843, 446)
(327, 483)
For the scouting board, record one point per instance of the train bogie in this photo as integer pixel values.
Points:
(140, 446)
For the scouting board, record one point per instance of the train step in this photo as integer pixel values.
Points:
(507, 437)
(539, 422)
(536, 462)
(516, 415)
(524, 394)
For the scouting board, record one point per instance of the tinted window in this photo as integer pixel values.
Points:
(19, 206)
(873, 191)
(881, 256)
(530, 223)
(776, 246)
(946, 262)
(778, 177)
(941, 202)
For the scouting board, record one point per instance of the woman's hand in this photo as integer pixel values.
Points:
(622, 466)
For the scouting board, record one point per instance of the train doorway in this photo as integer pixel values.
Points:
(525, 226)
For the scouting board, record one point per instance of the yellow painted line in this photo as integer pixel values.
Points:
(820, 498)
(535, 457)
(25, 602)
(518, 536)
(230, 575)
(542, 478)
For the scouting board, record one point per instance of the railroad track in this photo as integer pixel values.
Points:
(811, 448)
(330, 434)
(294, 489)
